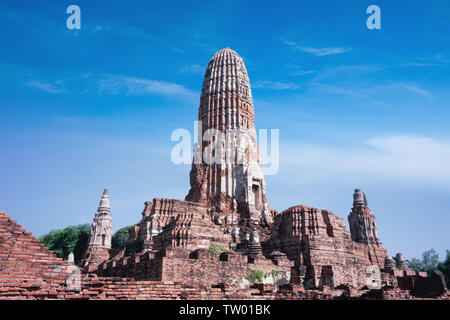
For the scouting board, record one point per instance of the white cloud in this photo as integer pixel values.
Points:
(319, 52)
(355, 92)
(363, 82)
(349, 72)
(390, 157)
(324, 51)
(265, 84)
(298, 70)
(110, 84)
(302, 72)
(420, 64)
(413, 88)
(114, 84)
(193, 68)
(43, 86)
(434, 61)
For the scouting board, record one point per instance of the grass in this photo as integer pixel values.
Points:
(217, 249)
(256, 275)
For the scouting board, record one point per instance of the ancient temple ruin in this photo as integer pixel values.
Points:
(227, 208)
(224, 240)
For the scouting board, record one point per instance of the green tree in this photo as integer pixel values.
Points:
(444, 267)
(429, 262)
(120, 237)
(70, 239)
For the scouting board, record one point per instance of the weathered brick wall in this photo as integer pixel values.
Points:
(99, 288)
(203, 266)
(26, 265)
(140, 266)
(207, 268)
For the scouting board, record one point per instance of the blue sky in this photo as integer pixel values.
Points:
(85, 109)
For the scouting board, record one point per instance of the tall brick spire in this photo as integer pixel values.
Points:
(100, 235)
(361, 221)
(235, 182)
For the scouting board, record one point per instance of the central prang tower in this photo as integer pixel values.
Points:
(232, 180)
(225, 231)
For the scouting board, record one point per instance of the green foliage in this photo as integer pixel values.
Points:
(217, 249)
(274, 273)
(70, 239)
(120, 237)
(256, 275)
(429, 262)
(395, 259)
(444, 267)
(415, 264)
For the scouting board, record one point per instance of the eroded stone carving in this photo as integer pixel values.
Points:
(100, 234)
(373, 277)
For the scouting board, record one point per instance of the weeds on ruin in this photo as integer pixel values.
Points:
(217, 249)
(256, 275)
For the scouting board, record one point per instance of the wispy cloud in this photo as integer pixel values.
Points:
(86, 84)
(324, 51)
(413, 88)
(385, 157)
(352, 92)
(318, 52)
(297, 70)
(353, 72)
(265, 84)
(420, 64)
(365, 82)
(433, 61)
(116, 84)
(44, 86)
(302, 72)
(193, 68)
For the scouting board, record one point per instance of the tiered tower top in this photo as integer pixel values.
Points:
(226, 74)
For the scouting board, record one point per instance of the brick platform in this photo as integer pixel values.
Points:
(28, 270)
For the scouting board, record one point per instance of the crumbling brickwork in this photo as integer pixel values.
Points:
(26, 265)
(28, 270)
(170, 222)
(202, 266)
(318, 240)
